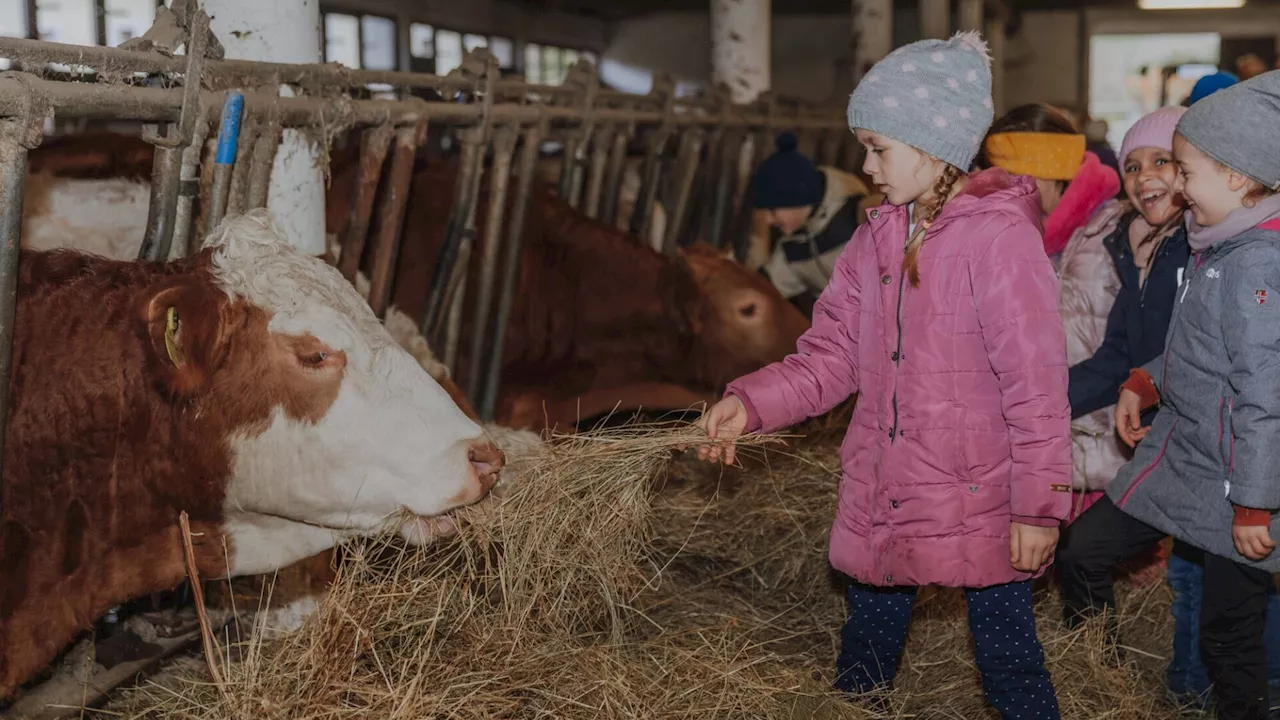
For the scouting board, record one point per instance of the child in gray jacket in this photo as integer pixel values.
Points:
(1209, 471)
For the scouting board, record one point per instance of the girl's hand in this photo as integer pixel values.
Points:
(1129, 418)
(1031, 546)
(725, 421)
(1253, 541)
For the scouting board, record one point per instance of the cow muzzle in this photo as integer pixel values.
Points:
(487, 462)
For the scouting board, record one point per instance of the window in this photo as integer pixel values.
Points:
(342, 39)
(549, 65)
(378, 43)
(67, 21)
(503, 49)
(422, 48)
(13, 19)
(471, 42)
(126, 19)
(448, 51)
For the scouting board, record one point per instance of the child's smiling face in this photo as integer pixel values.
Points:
(1212, 190)
(1150, 175)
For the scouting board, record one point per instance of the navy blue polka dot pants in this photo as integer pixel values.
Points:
(1002, 620)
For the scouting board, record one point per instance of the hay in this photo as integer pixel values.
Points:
(600, 586)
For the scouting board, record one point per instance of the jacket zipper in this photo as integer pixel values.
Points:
(897, 353)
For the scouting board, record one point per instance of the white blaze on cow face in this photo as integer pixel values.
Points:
(391, 440)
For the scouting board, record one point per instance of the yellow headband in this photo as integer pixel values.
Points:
(1048, 156)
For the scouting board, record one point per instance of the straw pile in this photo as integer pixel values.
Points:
(611, 583)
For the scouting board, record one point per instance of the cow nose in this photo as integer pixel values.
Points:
(487, 461)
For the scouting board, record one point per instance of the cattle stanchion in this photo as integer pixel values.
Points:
(238, 195)
(725, 180)
(687, 169)
(510, 268)
(602, 144)
(224, 160)
(642, 215)
(171, 141)
(613, 175)
(583, 79)
(374, 143)
(391, 214)
(188, 190)
(504, 145)
(17, 136)
(264, 158)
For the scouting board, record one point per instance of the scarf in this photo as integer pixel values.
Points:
(1237, 221)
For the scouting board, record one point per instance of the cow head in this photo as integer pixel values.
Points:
(331, 424)
(735, 320)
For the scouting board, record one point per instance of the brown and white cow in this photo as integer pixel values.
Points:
(248, 386)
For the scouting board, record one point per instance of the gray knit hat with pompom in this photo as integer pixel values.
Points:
(934, 95)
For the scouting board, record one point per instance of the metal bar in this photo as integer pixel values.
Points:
(569, 165)
(642, 213)
(690, 152)
(264, 159)
(188, 190)
(166, 176)
(726, 180)
(510, 269)
(228, 138)
(13, 175)
(395, 200)
(706, 179)
(613, 177)
(600, 148)
(373, 155)
(234, 73)
(113, 102)
(461, 269)
(238, 195)
(441, 275)
(504, 145)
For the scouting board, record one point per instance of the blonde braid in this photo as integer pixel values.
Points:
(941, 192)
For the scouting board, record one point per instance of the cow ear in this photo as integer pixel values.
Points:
(185, 323)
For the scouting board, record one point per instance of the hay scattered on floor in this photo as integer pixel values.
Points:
(611, 583)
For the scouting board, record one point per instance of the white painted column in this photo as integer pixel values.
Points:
(996, 44)
(969, 15)
(286, 31)
(872, 34)
(740, 46)
(935, 19)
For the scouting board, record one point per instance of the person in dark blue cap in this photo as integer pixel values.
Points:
(1210, 84)
(812, 212)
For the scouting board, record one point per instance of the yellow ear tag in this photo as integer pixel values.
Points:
(170, 332)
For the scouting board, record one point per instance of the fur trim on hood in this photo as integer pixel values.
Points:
(1093, 185)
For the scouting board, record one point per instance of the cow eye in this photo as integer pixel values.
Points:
(748, 310)
(314, 359)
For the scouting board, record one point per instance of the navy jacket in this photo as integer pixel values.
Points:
(1138, 322)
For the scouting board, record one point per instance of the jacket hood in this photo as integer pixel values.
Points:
(1093, 185)
(995, 191)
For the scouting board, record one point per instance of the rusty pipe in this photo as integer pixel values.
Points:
(224, 160)
(642, 214)
(391, 211)
(510, 269)
(166, 176)
(188, 191)
(726, 179)
(504, 145)
(600, 147)
(238, 194)
(455, 232)
(613, 176)
(374, 143)
(689, 153)
(15, 140)
(458, 279)
(569, 167)
(264, 158)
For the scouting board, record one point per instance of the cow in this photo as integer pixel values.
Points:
(600, 317)
(249, 387)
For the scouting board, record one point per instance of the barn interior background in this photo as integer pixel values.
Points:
(647, 116)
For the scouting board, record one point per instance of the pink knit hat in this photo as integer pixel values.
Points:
(1154, 130)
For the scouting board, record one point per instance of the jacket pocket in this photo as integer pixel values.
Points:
(1226, 433)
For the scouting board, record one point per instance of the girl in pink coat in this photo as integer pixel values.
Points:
(942, 316)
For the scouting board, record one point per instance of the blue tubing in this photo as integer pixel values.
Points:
(229, 129)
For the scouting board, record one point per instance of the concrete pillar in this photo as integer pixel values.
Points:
(740, 46)
(286, 31)
(872, 34)
(969, 15)
(996, 44)
(935, 19)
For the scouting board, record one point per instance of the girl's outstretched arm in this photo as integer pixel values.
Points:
(823, 371)
(1016, 294)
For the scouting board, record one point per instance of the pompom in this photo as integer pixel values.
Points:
(972, 39)
(786, 142)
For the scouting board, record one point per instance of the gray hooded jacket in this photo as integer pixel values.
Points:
(1215, 442)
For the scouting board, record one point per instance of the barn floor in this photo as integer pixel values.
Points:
(707, 598)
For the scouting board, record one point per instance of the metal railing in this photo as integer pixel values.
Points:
(692, 160)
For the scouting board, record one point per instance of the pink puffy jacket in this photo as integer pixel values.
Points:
(962, 423)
